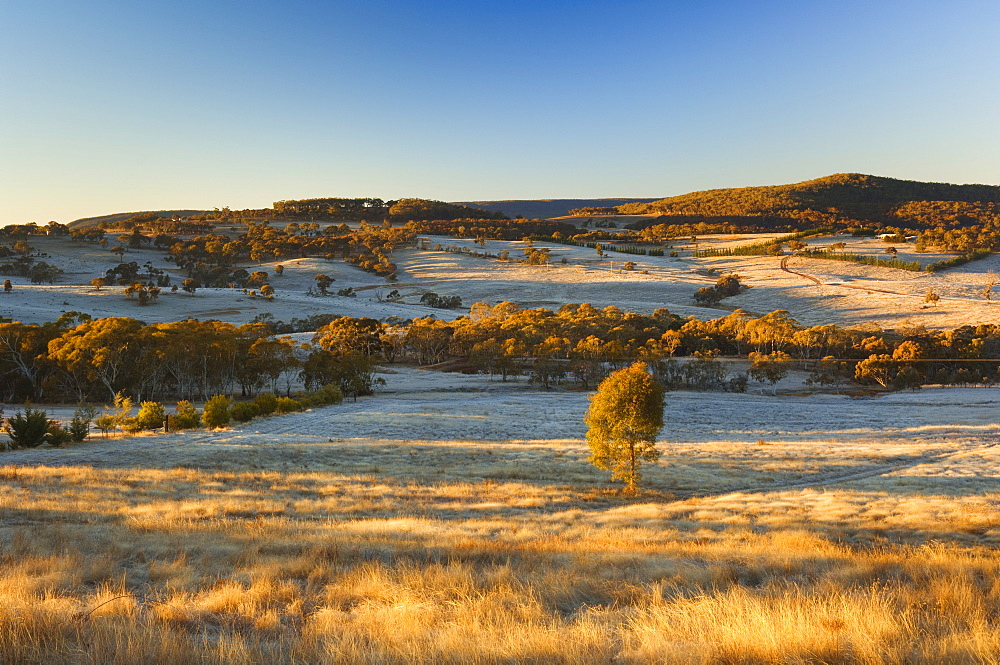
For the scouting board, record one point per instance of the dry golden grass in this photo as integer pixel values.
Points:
(431, 552)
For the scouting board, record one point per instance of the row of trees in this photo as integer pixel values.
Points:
(583, 342)
(80, 359)
(33, 229)
(497, 229)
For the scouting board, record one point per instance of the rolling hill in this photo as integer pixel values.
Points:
(86, 222)
(856, 196)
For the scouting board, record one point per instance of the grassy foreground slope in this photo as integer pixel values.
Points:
(273, 543)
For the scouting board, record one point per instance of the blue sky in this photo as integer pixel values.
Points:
(115, 106)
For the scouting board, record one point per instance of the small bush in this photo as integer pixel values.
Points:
(288, 405)
(241, 412)
(123, 413)
(130, 425)
(216, 413)
(106, 422)
(328, 394)
(56, 436)
(185, 416)
(79, 427)
(27, 430)
(707, 295)
(265, 403)
(151, 416)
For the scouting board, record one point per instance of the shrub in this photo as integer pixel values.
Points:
(265, 404)
(708, 295)
(185, 416)
(151, 416)
(79, 427)
(216, 413)
(56, 435)
(432, 299)
(130, 425)
(106, 422)
(328, 394)
(241, 412)
(288, 405)
(27, 430)
(123, 412)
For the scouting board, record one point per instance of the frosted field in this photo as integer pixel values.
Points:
(731, 442)
(813, 291)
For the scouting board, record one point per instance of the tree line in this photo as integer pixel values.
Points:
(580, 344)
(80, 359)
(77, 359)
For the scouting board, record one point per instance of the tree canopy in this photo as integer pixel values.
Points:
(624, 418)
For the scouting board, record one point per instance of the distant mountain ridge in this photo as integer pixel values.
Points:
(545, 208)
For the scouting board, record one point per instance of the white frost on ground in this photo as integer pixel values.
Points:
(422, 405)
(848, 293)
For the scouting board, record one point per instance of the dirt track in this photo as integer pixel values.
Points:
(784, 266)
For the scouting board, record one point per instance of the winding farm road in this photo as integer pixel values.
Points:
(814, 280)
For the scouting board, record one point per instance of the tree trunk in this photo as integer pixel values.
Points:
(631, 469)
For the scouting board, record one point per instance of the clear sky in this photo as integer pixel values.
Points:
(125, 106)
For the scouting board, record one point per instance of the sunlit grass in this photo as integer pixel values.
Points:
(433, 552)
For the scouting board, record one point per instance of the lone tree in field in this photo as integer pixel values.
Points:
(625, 415)
(769, 368)
(323, 283)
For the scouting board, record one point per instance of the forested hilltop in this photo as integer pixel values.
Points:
(543, 208)
(848, 198)
(334, 209)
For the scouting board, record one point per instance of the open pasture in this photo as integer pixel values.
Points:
(814, 291)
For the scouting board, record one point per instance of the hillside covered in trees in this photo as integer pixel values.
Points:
(334, 209)
(850, 198)
(543, 208)
(114, 218)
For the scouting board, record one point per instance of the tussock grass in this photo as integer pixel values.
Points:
(496, 553)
